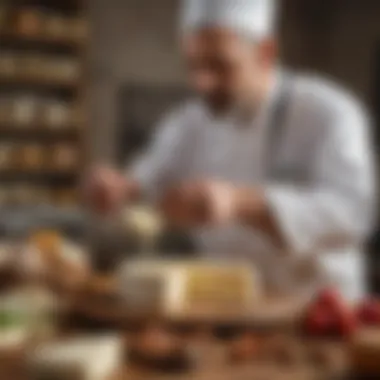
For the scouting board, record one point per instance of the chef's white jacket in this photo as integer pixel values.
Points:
(322, 200)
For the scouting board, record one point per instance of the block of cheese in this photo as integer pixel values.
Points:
(175, 286)
(82, 358)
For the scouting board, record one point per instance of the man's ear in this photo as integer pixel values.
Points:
(268, 51)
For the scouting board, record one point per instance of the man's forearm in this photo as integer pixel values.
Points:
(253, 210)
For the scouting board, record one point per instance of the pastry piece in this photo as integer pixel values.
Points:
(159, 350)
(65, 264)
(47, 241)
(327, 357)
(244, 349)
(82, 358)
(282, 350)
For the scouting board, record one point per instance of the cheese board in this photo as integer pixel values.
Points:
(185, 293)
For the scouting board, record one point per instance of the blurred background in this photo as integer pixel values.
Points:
(86, 81)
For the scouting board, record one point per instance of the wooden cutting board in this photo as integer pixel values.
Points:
(281, 312)
(364, 351)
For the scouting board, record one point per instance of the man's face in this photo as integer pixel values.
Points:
(224, 67)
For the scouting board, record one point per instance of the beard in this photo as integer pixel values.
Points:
(243, 107)
(219, 103)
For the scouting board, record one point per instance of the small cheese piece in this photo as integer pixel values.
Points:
(86, 358)
(144, 223)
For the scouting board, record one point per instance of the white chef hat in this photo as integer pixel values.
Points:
(255, 18)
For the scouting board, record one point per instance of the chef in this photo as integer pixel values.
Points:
(264, 165)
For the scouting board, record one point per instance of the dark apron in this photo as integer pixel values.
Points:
(276, 126)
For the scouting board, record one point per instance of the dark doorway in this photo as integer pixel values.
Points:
(374, 245)
(140, 109)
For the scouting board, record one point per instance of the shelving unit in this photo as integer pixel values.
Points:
(42, 105)
(54, 41)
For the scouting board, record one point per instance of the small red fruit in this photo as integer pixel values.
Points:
(329, 298)
(319, 322)
(347, 326)
(368, 313)
(329, 316)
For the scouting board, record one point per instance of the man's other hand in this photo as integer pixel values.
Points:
(105, 190)
(200, 203)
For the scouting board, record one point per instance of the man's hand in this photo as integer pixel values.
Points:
(105, 190)
(200, 203)
(213, 203)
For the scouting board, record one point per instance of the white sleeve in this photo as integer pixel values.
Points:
(337, 209)
(162, 162)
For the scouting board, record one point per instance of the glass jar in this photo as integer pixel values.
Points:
(56, 114)
(64, 157)
(31, 157)
(79, 29)
(6, 156)
(5, 110)
(56, 26)
(8, 64)
(25, 110)
(29, 21)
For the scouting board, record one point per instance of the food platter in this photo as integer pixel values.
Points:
(264, 337)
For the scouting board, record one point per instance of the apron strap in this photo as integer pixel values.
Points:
(277, 123)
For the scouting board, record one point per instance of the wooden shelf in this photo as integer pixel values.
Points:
(38, 176)
(54, 41)
(25, 78)
(37, 131)
(20, 218)
(37, 81)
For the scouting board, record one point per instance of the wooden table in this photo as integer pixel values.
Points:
(259, 371)
(279, 315)
(212, 365)
(272, 313)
